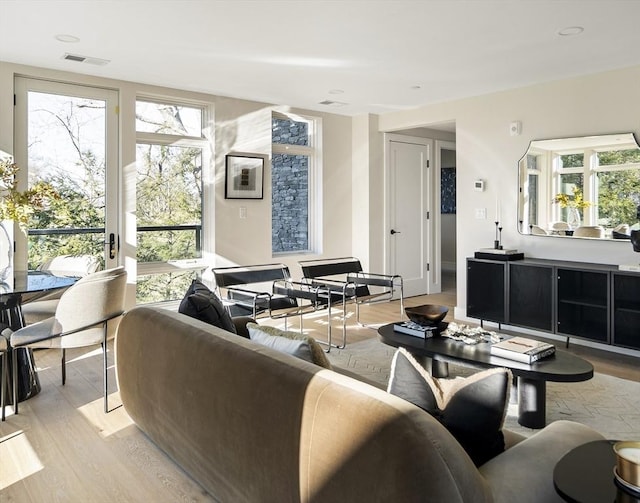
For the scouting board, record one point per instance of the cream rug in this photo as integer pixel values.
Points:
(607, 404)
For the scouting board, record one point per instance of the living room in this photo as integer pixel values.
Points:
(354, 170)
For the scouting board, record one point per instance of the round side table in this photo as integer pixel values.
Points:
(585, 475)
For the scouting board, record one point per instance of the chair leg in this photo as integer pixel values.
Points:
(63, 365)
(3, 382)
(104, 358)
(567, 345)
(14, 365)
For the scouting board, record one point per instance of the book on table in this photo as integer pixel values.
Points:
(415, 329)
(522, 349)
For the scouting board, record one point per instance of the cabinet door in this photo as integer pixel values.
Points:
(486, 290)
(530, 296)
(583, 304)
(626, 310)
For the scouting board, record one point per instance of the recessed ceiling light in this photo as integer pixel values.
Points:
(336, 91)
(67, 39)
(570, 31)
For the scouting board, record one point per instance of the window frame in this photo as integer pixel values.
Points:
(589, 171)
(314, 197)
(204, 144)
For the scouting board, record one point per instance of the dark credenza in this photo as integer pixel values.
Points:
(591, 301)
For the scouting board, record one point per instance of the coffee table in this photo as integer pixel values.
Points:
(437, 352)
(585, 475)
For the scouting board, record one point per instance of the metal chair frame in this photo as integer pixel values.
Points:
(346, 282)
(265, 289)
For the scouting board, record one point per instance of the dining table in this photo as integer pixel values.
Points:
(23, 286)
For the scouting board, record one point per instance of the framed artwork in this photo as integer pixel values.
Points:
(244, 175)
(448, 190)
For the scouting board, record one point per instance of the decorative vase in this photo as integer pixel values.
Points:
(6, 249)
(573, 217)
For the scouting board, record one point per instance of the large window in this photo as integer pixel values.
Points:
(294, 184)
(171, 153)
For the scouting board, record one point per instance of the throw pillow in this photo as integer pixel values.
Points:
(473, 409)
(201, 303)
(293, 343)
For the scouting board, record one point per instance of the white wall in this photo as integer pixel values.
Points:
(597, 104)
(245, 127)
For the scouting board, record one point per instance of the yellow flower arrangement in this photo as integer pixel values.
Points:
(576, 200)
(17, 205)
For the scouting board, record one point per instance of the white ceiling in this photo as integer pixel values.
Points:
(382, 55)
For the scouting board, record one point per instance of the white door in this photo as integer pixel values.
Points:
(409, 224)
(67, 135)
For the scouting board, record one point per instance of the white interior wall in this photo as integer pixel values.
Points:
(598, 104)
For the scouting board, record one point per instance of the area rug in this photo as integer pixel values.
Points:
(608, 404)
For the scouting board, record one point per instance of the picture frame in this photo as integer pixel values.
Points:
(244, 177)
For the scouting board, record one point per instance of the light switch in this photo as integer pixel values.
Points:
(243, 212)
(481, 213)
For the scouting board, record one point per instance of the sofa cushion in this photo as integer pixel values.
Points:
(293, 343)
(201, 303)
(472, 409)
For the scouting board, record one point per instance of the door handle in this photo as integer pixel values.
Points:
(112, 245)
(393, 231)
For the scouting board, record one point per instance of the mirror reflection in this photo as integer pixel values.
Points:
(585, 187)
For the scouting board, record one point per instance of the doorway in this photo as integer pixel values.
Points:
(410, 209)
(67, 135)
(445, 152)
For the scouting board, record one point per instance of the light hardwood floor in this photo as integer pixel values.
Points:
(62, 447)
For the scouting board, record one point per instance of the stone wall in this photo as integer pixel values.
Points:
(290, 189)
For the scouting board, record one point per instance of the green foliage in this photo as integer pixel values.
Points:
(169, 193)
(22, 206)
(619, 197)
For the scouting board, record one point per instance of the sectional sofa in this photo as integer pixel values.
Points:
(254, 425)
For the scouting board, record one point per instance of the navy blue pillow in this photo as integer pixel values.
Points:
(201, 303)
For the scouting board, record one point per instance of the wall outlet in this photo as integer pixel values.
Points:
(243, 212)
(481, 213)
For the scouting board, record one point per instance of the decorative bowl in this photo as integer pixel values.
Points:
(628, 462)
(429, 314)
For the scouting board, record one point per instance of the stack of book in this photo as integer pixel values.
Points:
(501, 254)
(522, 349)
(415, 329)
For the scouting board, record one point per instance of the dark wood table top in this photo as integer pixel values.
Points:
(585, 475)
(559, 367)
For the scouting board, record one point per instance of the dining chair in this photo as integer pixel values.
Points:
(44, 306)
(81, 319)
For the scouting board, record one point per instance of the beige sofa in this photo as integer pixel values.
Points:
(253, 425)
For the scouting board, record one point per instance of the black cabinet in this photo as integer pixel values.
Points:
(583, 304)
(626, 310)
(597, 302)
(486, 298)
(531, 296)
